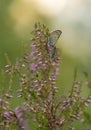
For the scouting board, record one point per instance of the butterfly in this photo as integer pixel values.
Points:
(54, 36)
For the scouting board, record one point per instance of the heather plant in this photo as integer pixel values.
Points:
(37, 73)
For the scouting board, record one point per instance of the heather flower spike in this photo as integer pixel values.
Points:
(21, 118)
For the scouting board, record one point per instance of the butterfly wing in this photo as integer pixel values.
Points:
(54, 37)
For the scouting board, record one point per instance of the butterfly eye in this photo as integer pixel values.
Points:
(54, 36)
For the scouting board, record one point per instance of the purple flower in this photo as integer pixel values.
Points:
(39, 54)
(33, 68)
(9, 117)
(57, 71)
(33, 46)
(44, 66)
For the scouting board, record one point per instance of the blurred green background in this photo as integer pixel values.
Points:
(73, 17)
(17, 18)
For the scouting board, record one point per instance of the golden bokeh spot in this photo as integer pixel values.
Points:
(22, 14)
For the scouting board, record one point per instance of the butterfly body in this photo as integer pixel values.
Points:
(54, 52)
